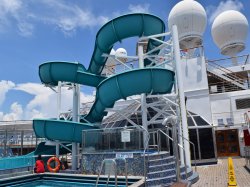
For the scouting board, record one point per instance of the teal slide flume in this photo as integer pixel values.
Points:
(109, 90)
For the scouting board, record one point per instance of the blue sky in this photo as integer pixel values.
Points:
(33, 32)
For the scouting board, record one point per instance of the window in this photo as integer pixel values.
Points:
(242, 103)
(220, 122)
(230, 121)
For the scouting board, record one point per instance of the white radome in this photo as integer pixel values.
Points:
(229, 31)
(190, 18)
(111, 61)
(121, 54)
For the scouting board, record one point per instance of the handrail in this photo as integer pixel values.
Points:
(146, 142)
(159, 130)
(195, 167)
(103, 162)
(126, 169)
(230, 74)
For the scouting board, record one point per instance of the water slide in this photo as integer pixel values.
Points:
(108, 90)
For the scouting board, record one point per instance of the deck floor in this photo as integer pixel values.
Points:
(217, 175)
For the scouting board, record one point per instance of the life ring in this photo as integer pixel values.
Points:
(53, 159)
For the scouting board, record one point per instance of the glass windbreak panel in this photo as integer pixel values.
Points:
(206, 143)
(190, 122)
(200, 121)
(193, 138)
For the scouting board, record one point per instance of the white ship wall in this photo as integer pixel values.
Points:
(223, 106)
(196, 87)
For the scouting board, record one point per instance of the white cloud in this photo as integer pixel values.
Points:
(16, 113)
(5, 86)
(44, 103)
(14, 12)
(213, 11)
(64, 15)
(69, 17)
(140, 8)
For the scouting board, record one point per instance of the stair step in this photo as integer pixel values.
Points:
(169, 165)
(161, 161)
(161, 180)
(163, 173)
(158, 155)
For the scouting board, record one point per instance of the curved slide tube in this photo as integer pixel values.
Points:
(124, 27)
(120, 86)
(109, 90)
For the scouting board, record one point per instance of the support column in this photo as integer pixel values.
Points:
(75, 112)
(143, 97)
(59, 97)
(181, 94)
(57, 149)
(179, 128)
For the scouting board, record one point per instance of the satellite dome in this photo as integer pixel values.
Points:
(190, 18)
(121, 54)
(112, 52)
(229, 31)
(110, 60)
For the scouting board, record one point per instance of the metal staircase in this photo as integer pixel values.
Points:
(163, 169)
(225, 74)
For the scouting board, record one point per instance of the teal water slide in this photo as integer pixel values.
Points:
(108, 90)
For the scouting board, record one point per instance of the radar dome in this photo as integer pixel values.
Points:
(110, 60)
(121, 54)
(190, 18)
(229, 31)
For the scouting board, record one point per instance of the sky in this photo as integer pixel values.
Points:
(33, 32)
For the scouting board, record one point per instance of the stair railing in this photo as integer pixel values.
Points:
(158, 132)
(194, 152)
(113, 163)
(227, 73)
(126, 169)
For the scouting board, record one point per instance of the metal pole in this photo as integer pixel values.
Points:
(22, 142)
(5, 143)
(181, 93)
(59, 97)
(75, 119)
(143, 97)
(57, 149)
(175, 152)
(179, 127)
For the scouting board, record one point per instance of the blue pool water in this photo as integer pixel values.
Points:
(62, 180)
(50, 183)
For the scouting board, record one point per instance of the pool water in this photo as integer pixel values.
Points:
(63, 180)
(50, 183)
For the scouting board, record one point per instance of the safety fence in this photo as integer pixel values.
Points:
(17, 142)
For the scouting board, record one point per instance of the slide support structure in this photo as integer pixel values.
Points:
(181, 94)
(143, 98)
(75, 112)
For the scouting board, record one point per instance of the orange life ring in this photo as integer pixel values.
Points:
(56, 169)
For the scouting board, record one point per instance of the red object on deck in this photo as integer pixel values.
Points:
(246, 137)
(39, 166)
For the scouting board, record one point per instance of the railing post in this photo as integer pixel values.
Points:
(175, 151)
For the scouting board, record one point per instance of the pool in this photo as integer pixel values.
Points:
(66, 180)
